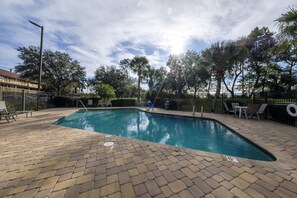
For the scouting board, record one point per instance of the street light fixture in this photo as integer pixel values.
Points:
(40, 61)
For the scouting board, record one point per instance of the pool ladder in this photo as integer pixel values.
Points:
(81, 104)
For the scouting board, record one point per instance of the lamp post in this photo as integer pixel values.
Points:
(40, 61)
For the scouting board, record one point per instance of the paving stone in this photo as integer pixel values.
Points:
(267, 179)
(110, 189)
(124, 178)
(202, 185)
(43, 194)
(139, 189)
(29, 193)
(49, 183)
(152, 188)
(168, 175)
(72, 192)
(58, 194)
(161, 181)
(282, 192)
(248, 177)
(264, 191)
(289, 186)
(64, 184)
(254, 193)
(240, 183)
(87, 186)
(138, 179)
(239, 193)
(177, 186)
(195, 191)
(127, 191)
(222, 192)
(185, 194)
(166, 191)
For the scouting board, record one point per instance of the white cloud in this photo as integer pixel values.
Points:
(97, 32)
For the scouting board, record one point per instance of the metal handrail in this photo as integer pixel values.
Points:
(82, 104)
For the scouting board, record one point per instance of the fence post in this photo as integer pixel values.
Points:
(1, 93)
(296, 104)
(24, 100)
(265, 99)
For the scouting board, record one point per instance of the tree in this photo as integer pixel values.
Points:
(288, 22)
(259, 44)
(138, 65)
(215, 57)
(117, 78)
(105, 91)
(286, 49)
(154, 78)
(176, 76)
(196, 74)
(236, 55)
(59, 70)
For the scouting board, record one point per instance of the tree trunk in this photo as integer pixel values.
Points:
(218, 90)
(138, 85)
(195, 92)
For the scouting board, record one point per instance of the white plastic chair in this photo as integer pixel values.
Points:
(261, 110)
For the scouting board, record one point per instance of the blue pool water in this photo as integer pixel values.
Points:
(199, 134)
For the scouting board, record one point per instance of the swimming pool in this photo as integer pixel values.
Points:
(199, 134)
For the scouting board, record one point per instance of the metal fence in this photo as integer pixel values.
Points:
(24, 99)
(275, 111)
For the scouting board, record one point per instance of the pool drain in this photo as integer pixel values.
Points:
(232, 159)
(108, 144)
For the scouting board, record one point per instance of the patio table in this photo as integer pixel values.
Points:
(241, 109)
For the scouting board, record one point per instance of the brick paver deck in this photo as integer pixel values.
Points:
(39, 159)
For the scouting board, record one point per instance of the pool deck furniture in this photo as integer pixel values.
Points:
(4, 113)
(241, 109)
(40, 159)
(227, 110)
(25, 112)
(261, 110)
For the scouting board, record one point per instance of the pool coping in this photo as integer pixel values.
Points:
(282, 160)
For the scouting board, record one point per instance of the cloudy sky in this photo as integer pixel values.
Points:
(103, 32)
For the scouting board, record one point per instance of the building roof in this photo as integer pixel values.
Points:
(8, 74)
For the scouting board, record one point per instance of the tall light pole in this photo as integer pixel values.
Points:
(40, 61)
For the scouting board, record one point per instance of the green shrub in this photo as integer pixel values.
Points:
(123, 102)
(62, 101)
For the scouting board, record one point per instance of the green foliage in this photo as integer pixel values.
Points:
(62, 101)
(117, 78)
(105, 91)
(59, 71)
(138, 65)
(123, 102)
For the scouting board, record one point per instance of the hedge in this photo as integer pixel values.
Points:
(123, 102)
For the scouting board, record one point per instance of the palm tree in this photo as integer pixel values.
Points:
(138, 65)
(216, 58)
(288, 22)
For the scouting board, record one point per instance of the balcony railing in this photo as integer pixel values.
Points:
(21, 84)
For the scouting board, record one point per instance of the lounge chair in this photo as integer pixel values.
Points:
(251, 110)
(227, 110)
(261, 110)
(234, 104)
(4, 113)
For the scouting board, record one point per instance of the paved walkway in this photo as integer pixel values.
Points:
(39, 159)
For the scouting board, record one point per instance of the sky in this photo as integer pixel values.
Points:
(103, 32)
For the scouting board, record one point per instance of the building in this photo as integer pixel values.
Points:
(12, 80)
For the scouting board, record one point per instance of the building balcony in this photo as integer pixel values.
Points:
(20, 84)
